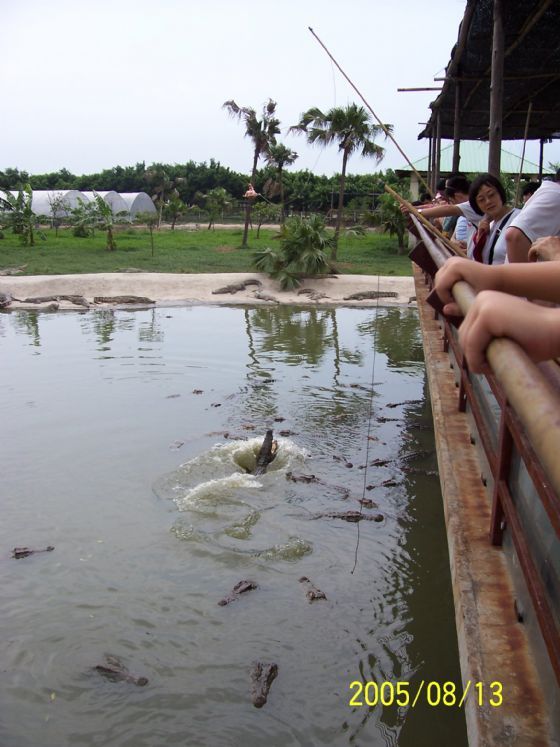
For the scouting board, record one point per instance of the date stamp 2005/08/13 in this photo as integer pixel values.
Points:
(446, 694)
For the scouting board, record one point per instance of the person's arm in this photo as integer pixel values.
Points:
(494, 314)
(540, 280)
(461, 229)
(438, 211)
(547, 248)
(518, 245)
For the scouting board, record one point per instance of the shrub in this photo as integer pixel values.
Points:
(304, 243)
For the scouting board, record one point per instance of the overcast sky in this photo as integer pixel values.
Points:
(92, 84)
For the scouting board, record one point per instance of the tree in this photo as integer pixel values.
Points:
(84, 218)
(264, 212)
(59, 207)
(174, 208)
(303, 246)
(161, 183)
(151, 221)
(13, 179)
(279, 156)
(106, 220)
(17, 213)
(214, 202)
(389, 217)
(263, 134)
(89, 215)
(351, 127)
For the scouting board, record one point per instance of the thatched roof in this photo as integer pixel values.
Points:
(531, 72)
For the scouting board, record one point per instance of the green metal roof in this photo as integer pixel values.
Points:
(474, 160)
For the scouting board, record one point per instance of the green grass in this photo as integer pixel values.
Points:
(184, 251)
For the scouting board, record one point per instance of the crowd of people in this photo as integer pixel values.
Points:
(504, 248)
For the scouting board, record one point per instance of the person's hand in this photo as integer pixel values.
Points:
(455, 269)
(483, 227)
(494, 314)
(461, 246)
(545, 248)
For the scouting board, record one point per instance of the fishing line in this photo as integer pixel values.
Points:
(370, 417)
(381, 124)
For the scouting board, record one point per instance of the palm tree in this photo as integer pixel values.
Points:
(352, 128)
(263, 134)
(280, 155)
(162, 185)
(214, 202)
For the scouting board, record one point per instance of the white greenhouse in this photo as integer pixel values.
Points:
(58, 203)
(112, 198)
(55, 203)
(138, 202)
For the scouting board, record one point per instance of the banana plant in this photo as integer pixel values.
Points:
(105, 220)
(16, 212)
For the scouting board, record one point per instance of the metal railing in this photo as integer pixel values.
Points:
(516, 415)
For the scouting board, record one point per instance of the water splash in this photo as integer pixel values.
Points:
(217, 475)
(212, 489)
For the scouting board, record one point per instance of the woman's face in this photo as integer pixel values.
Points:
(489, 201)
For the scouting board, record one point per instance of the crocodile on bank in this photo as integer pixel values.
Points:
(368, 295)
(236, 287)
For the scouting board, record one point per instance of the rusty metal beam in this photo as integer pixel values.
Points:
(492, 643)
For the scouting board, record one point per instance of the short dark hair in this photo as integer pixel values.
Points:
(485, 180)
(530, 188)
(457, 183)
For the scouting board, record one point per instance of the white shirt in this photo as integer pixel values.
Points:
(471, 215)
(541, 214)
(498, 238)
(461, 229)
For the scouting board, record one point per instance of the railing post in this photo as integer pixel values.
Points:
(503, 463)
(464, 371)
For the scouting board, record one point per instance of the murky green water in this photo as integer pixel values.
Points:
(127, 440)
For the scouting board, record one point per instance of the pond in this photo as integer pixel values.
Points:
(129, 442)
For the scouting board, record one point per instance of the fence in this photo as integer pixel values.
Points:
(515, 425)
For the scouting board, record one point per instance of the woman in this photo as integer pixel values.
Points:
(487, 197)
(486, 209)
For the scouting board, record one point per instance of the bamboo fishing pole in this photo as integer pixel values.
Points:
(525, 135)
(425, 222)
(381, 124)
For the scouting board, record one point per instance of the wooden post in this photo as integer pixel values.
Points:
(430, 164)
(457, 129)
(414, 187)
(438, 150)
(434, 159)
(541, 156)
(496, 92)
